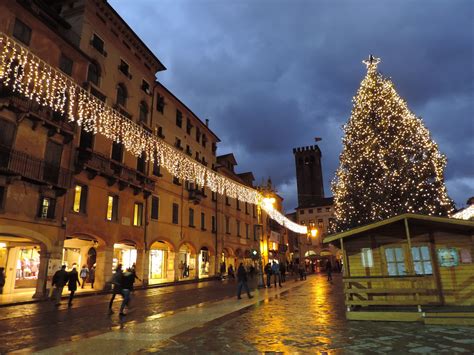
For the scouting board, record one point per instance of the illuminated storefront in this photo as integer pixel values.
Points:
(204, 262)
(125, 254)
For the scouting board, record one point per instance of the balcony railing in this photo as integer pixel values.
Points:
(115, 171)
(30, 168)
(21, 104)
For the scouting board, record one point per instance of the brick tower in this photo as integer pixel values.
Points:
(309, 175)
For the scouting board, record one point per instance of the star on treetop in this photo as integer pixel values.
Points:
(371, 61)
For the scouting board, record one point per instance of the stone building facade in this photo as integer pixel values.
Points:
(68, 196)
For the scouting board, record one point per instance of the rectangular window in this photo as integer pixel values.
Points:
(175, 213)
(328, 209)
(7, 134)
(177, 143)
(80, 199)
(160, 103)
(52, 159)
(138, 214)
(422, 260)
(246, 208)
(97, 43)
(367, 258)
(156, 168)
(320, 224)
(141, 164)
(112, 208)
(227, 202)
(214, 196)
(191, 217)
(124, 67)
(237, 204)
(213, 223)
(159, 132)
(189, 126)
(254, 211)
(179, 118)
(301, 211)
(65, 64)
(22, 32)
(176, 181)
(198, 134)
(145, 86)
(2, 196)
(203, 221)
(247, 231)
(238, 228)
(47, 207)
(395, 261)
(155, 207)
(117, 151)
(311, 211)
(227, 225)
(319, 210)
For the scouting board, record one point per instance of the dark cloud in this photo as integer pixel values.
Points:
(272, 75)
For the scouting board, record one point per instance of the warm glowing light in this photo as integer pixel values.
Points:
(314, 232)
(28, 75)
(389, 163)
(467, 213)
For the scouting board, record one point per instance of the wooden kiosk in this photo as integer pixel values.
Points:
(409, 268)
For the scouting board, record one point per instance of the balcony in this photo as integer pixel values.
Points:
(26, 108)
(13, 162)
(195, 196)
(113, 171)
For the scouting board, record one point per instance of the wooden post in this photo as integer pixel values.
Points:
(411, 266)
(346, 273)
(436, 269)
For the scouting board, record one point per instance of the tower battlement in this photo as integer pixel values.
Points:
(309, 148)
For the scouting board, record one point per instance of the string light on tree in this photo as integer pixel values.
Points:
(389, 163)
(28, 75)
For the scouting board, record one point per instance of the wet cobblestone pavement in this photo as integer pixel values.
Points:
(310, 319)
(301, 317)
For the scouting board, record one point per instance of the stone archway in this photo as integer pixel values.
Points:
(26, 256)
(161, 266)
(187, 261)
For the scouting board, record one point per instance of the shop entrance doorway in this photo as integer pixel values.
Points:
(125, 253)
(161, 268)
(187, 262)
(204, 264)
(20, 261)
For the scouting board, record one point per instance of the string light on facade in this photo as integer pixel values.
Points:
(28, 75)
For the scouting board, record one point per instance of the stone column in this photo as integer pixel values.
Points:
(176, 267)
(50, 262)
(103, 273)
(142, 265)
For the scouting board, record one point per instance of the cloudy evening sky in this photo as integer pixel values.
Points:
(272, 75)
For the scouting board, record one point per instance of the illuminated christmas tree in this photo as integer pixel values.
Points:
(389, 163)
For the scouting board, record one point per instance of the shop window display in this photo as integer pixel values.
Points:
(27, 266)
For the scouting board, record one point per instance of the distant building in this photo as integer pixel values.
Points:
(314, 209)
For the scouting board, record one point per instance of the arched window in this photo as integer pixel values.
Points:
(93, 73)
(143, 112)
(121, 95)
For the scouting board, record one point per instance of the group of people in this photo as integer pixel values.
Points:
(122, 283)
(277, 270)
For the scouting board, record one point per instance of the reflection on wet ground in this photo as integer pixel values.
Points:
(310, 319)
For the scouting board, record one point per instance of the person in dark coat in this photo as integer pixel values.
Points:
(92, 276)
(2, 279)
(329, 270)
(268, 272)
(73, 281)
(128, 278)
(60, 279)
(242, 281)
(283, 271)
(116, 285)
(230, 272)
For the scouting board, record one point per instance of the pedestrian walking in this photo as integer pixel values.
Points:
(276, 273)
(230, 272)
(84, 273)
(242, 281)
(2, 279)
(116, 285)
(92, 276)
(283, 271)
(302, 271)
(60, 279)
(126, 285)
(329, 270)
(73, 281)
(222, 270)
(133, 271)
(268, 273)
